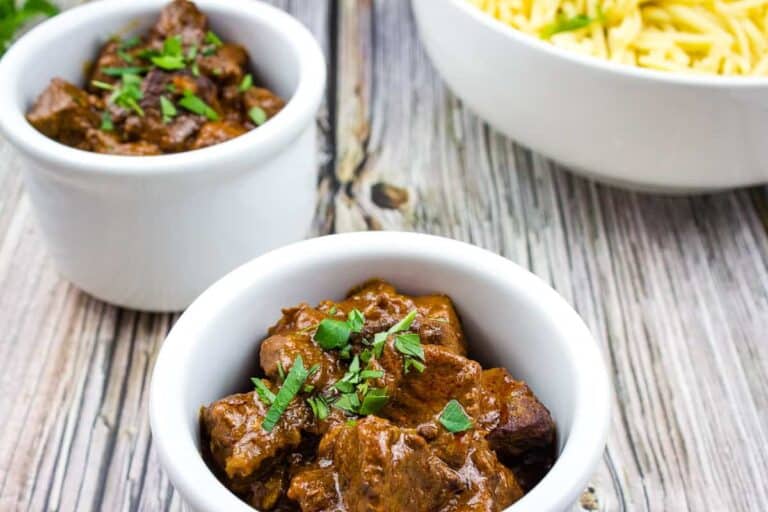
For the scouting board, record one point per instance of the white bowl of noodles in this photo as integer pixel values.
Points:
(681, 129)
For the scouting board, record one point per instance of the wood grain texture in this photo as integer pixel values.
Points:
(675, 289)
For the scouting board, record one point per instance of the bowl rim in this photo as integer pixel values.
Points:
(198, 486)
(624, 70)
(278, 133)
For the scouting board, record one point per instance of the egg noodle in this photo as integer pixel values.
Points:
(725, 37)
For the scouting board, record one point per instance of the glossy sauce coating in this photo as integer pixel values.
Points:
(402, 458)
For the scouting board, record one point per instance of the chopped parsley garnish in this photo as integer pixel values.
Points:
(102, 85)
(106, 122)
(192, 52)
(373, 400)
(566, 24)
(131, 42)
(195, 69)
(291, 386)
(168, 109)
(454, 419)
(172, 57)
(127, 57)
(13, 18)
(381, 337)
(212, 38)
(281, 370)
(409, 345)
(128, 94)
(319, 406)
(334, 334)
(265, 394)
(257, 115)
(196, 105)
(209, 50)
(356, 394)
(246, 84)
(121, 72)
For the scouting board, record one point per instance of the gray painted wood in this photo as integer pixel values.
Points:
(675, 289)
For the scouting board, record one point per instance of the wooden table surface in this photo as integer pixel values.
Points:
(674, 288)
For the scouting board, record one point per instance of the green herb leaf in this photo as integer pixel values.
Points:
(257, 115)
(281, 370)
(125, 56)
(195, 69)
(410, 345)
(12, 19)
(332, 334)
(192, 53)
(265, 394)
(172, 45)
(128, 94)
(102, 85)
(454, 419)
(196, 105)
(379, 339)
(130, 70)
(212, 38)
(355, 320)
(131, 42)
(168, 109)
(373, 401)
(169, 62)
(106, 122)
(351, 423)
(319, 407)
(566, 24)
(246, 84)
(291, 386)
(348, 402)
(404, 324)
(209, 50)
(410, 362)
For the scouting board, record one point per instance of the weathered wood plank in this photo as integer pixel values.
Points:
(674, 288)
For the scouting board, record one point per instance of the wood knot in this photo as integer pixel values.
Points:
(388, 196)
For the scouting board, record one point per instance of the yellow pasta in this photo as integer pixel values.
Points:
(722, 37)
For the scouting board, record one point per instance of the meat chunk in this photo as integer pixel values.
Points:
(282, 349)
(108, 144)
(216, 132)
(182, 18)
(170, 136)
(239, 446)
(226, 65)
(65, 113)
(516, 420)
(438, 323)
(265, 99)
(375, 466)
(416, 397)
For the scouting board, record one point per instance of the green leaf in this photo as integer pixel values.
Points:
(566, 24)
(168, 109)
(172, 45)
(131, 42)
(410, 345)
(257, 115)
(212, 38)
(281, 370)
(404, 324)
(410, 362)
(356, 320)
(454, 419)
(373, 401)
(348, 402)
(291, 386)
(371, 374)
(265, 394)
(125, 56)
(43, 7)
(196, 105)
(106, 122)
(102, 85)
(379, 339)
(169, 62)
(192, 53)
(246, 84)
(319, 407)
(332, 334)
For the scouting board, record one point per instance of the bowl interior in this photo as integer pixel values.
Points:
(68, 52)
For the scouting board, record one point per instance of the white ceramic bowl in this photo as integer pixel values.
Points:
(629, 126)
(512, 319)
(153, 232)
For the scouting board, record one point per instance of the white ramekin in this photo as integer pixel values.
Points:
(624, 125)
(512, 319)
(153, 232)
